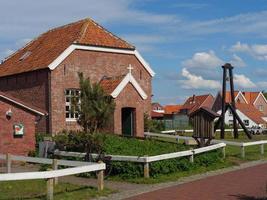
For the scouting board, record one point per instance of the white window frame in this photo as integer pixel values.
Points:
(69, 94)
(261, 108)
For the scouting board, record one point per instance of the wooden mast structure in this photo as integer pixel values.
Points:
(228, 68)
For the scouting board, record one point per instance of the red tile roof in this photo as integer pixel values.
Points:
(156, 114)
(251, 96)
(170, 109)
(228, 98)
(109, 84)
(21, 103)
(251, 112)
(195, 102)
(42, 51)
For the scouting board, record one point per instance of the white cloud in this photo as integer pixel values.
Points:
(258, 51)
(262, 84)
(242, 81)
(245, 23)
(197, 82)
(236, 61)
(203, 60)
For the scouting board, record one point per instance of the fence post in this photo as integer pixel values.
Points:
(146, 168)
(8, 163)
(191, 158)
(223, 152)
(100, 179)
(55, 167)
(262, 149)
(243, 152)
(50, 189)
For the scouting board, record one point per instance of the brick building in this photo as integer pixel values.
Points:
(44, 74)
(17, 125)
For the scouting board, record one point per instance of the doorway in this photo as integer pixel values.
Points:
(128, 121)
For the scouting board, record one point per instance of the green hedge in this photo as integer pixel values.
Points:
(135, 170)
(115, 145)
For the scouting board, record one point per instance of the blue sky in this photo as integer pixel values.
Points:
(184, 41)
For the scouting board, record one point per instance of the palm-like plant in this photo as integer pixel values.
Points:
(95, 107)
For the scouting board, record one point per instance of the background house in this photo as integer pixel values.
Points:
(177, 116)
(251, 107)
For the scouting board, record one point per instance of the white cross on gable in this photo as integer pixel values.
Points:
(130, 68)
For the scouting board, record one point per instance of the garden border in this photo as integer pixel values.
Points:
(146, 160)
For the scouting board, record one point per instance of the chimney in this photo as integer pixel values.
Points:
(194, 99)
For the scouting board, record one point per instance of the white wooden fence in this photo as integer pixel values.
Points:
(52, 176)
(242, 145)
(148, 159)
(191, 131)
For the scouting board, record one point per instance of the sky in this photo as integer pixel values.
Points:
(185, 42)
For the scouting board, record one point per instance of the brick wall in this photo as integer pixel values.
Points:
(9, 143)
(261, 102)
(94, 65)
(129, 97)
(31, 88)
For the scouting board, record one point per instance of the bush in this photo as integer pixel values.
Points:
(135, 170)
(152, 125)
(115, 145)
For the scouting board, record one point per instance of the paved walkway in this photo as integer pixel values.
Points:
(245, 184)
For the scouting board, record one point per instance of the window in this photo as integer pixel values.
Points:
(72, 99)
(230, 113)
(260, 108)
(246, 122)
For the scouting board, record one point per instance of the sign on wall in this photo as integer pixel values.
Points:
(18, 129)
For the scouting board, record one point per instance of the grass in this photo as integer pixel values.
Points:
(135, 147)
(175, 176)
(36, 189)
(233, 158)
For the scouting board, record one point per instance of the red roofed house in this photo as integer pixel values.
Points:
(195, 102)
(17, 125)
(44, 74)
(251, 107)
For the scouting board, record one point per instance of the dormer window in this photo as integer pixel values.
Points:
(25, 55)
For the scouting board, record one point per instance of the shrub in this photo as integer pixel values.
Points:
(152, 125)
(115, 145)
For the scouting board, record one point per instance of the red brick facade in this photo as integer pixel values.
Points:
(95, 65)
(32, 88)
(10, 143)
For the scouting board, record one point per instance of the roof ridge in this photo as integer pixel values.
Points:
(110, 33)
(39, 36)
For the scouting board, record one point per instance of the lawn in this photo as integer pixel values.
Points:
(36, 189)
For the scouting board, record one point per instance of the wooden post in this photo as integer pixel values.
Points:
(223, 152)
(8, 163)
(55, 167)
(192, 158)
(146, 170)
(262, 149)
(50, 189)
(100, 179)
(243, 152)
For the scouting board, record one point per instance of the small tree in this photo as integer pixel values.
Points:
(96, 107)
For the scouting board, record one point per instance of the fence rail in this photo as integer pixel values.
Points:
(51, 176)
(191, 131)
(242, 145)
(148, 159)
